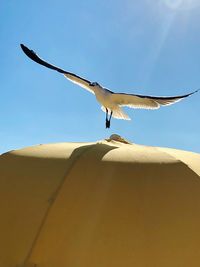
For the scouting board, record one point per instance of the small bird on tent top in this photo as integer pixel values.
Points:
(111, 102)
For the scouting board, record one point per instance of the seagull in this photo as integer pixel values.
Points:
(111, 103)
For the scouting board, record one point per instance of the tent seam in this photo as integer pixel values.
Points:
(70, 166)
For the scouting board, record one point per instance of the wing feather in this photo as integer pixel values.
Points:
(146, 102)
(69, 75)
(79, 81)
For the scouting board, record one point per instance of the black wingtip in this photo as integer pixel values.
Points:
(24, 48)
(30, 53)
(196, 91)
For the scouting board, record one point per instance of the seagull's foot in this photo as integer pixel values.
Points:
(107, 124)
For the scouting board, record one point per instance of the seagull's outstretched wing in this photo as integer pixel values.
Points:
(146, 102)
(71, 76)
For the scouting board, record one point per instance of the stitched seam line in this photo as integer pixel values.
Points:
(70, 166)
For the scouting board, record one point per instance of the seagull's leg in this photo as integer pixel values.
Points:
(107, 121)
(110, 119)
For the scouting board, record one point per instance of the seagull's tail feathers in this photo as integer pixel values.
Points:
(118, 113)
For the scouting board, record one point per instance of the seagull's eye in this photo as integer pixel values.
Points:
(94, 84)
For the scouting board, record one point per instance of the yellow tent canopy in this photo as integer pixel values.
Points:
(103, 204)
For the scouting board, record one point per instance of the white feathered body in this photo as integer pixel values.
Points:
(104, 97)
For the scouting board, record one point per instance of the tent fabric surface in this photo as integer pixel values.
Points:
(99, 204)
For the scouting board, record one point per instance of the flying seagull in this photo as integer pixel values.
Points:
(111, 102)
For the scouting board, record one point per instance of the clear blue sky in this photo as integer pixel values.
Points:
(145, 47)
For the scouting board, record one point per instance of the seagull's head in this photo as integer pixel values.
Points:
(94, 84)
